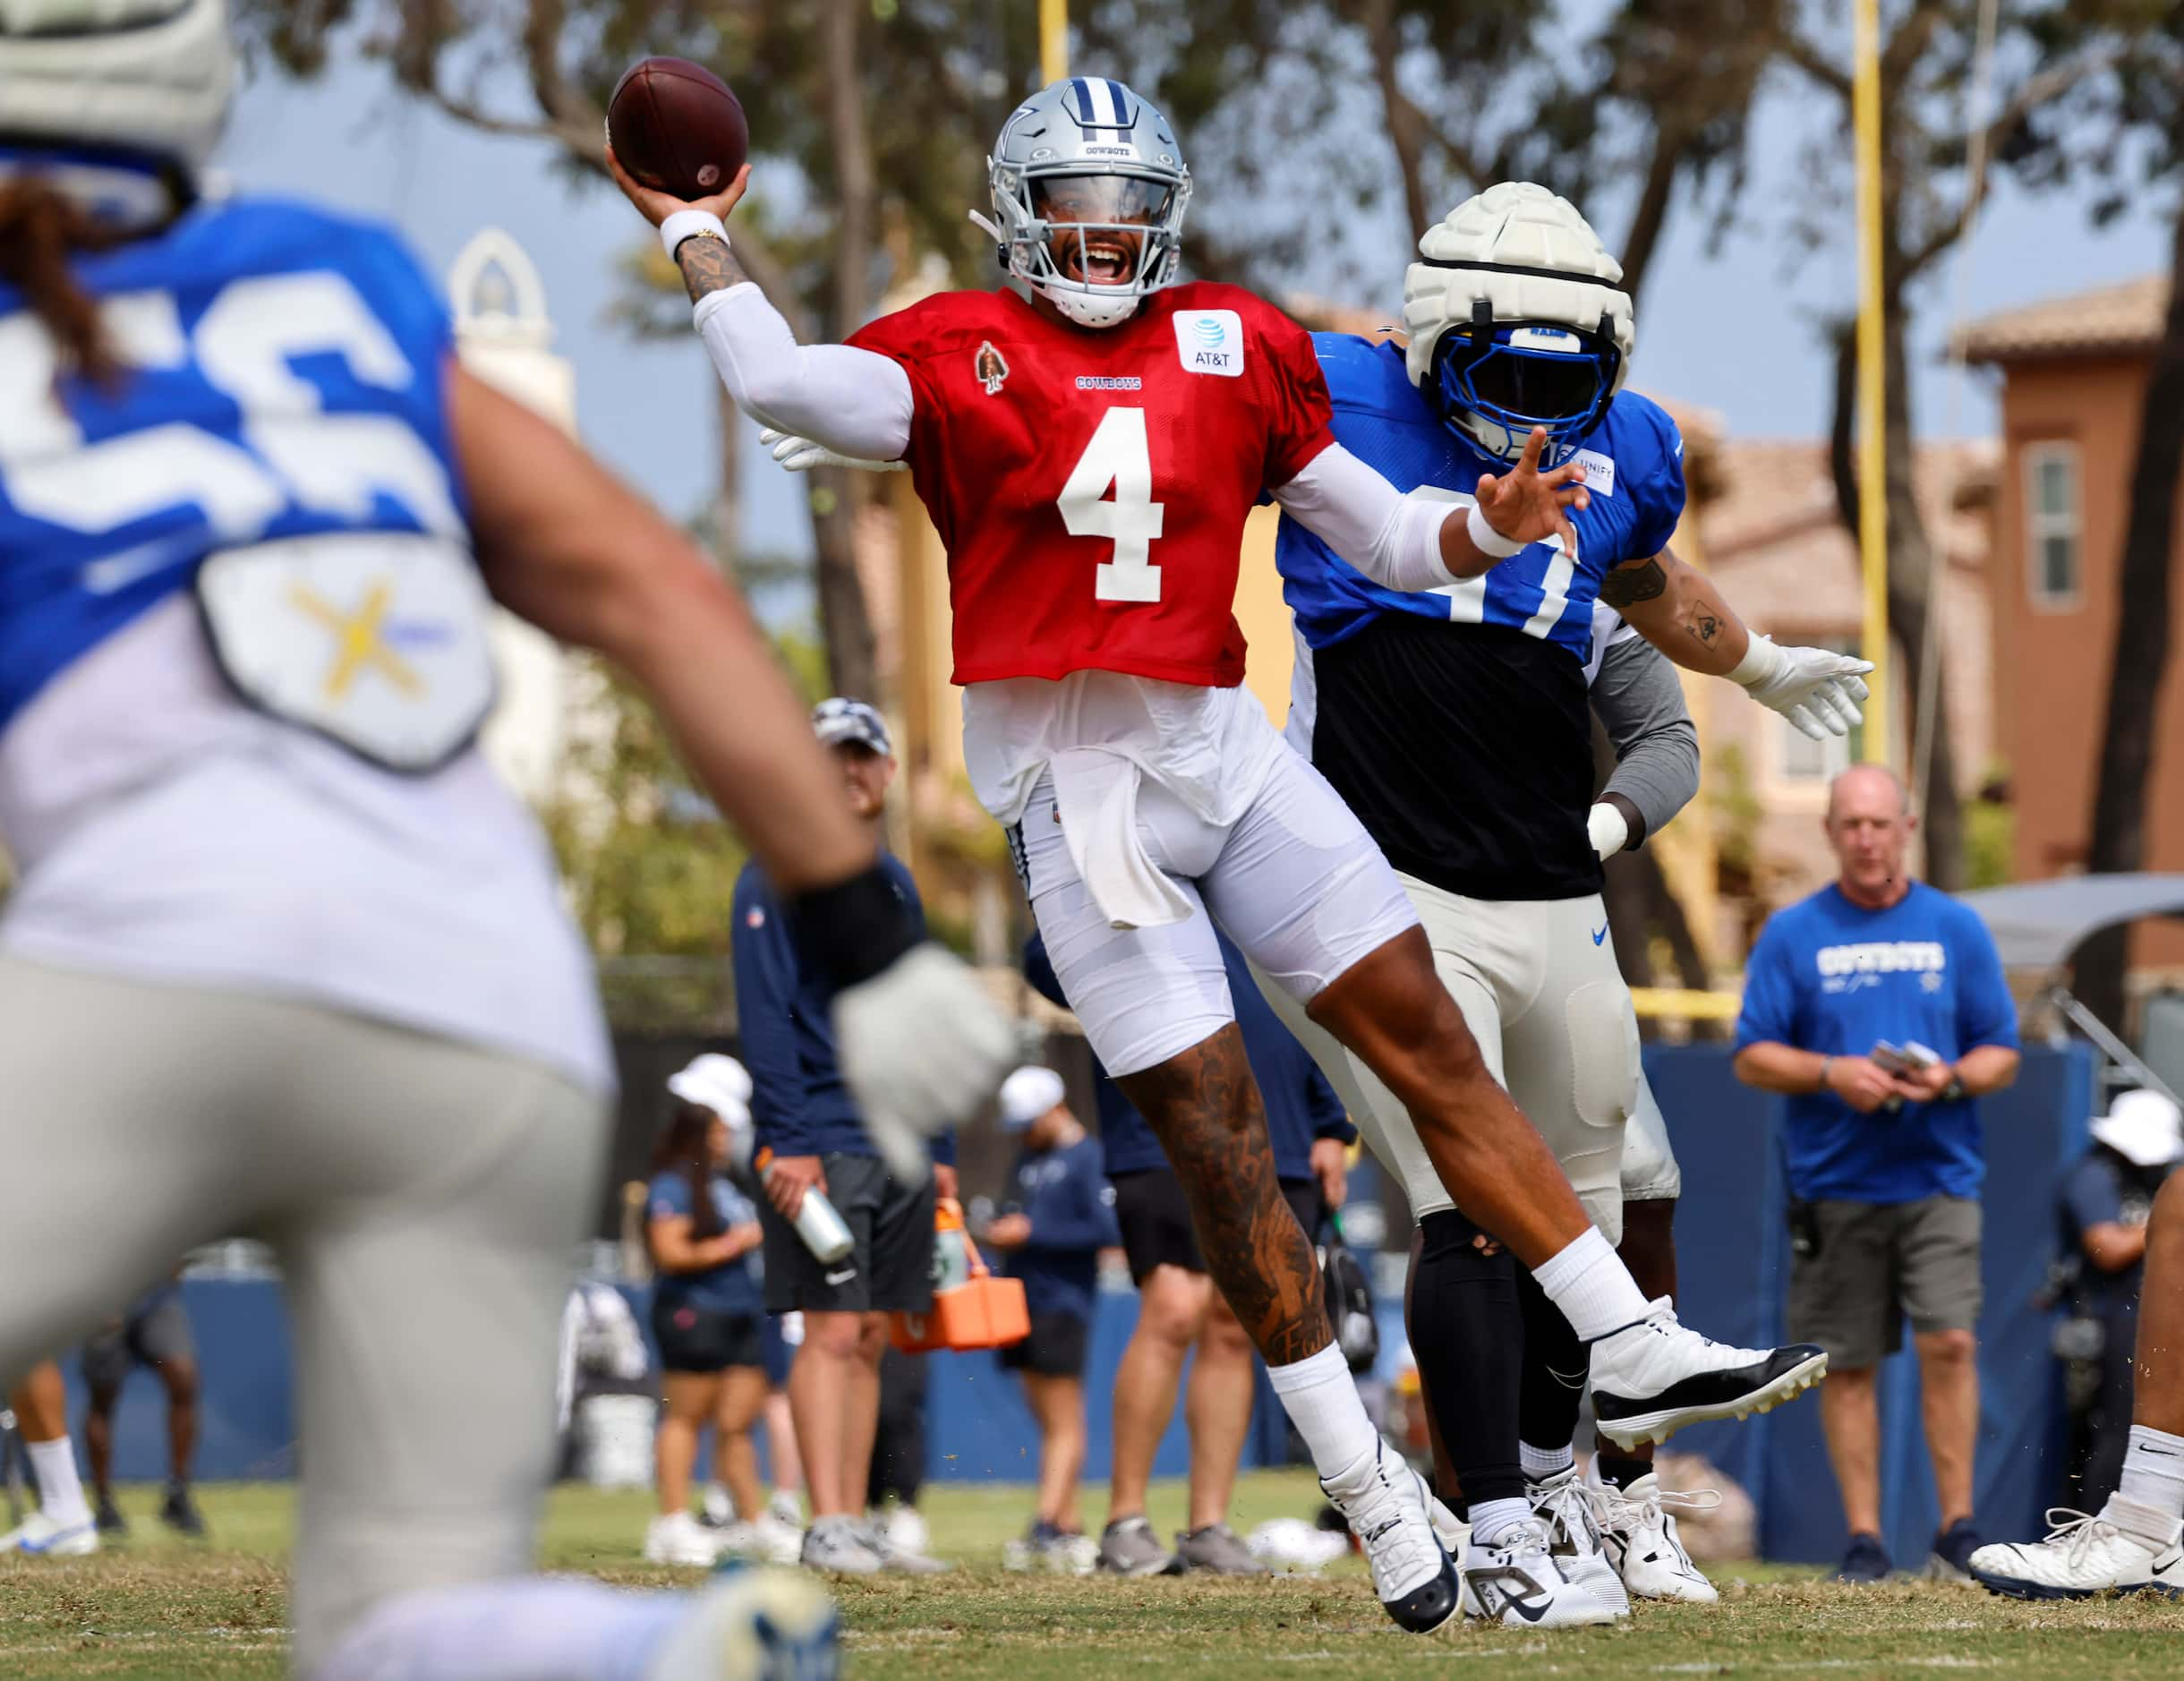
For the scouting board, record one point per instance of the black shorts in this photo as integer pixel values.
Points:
(1055, 1349)
(888, 1268)
(1155, 1219)
(159, 1334)
(699, 1340)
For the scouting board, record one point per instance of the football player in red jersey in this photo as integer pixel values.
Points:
(1089, 443)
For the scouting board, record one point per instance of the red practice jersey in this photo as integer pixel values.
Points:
(1091, 485)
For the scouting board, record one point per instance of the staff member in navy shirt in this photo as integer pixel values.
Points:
(1178, 1305)
(1884, 1167)
(1059, 1215)
(809, 1138)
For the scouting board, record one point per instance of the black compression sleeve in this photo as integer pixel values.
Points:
(849, 932)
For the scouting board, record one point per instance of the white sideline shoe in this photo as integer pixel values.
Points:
(1574, 1536)
(678, 1537)
(1519, 1582)
(1641, 1538)
(40, 1537)
(2081, 1557)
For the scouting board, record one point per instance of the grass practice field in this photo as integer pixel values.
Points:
(155, 1607)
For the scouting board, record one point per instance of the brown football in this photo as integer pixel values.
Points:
(677, 127)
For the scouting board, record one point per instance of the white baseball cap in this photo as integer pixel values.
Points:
(715, 1082)
(1027, 1094)
(2143, 1127)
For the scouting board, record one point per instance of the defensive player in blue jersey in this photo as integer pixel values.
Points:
(1455, 725)
(283, 957)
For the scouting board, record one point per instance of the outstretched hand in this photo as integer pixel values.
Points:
(656, 206)
(1525, 504)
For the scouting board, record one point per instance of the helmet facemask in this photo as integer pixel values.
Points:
(1091, 244)
(1494, 381)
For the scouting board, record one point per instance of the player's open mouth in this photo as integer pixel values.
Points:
(1102, 263)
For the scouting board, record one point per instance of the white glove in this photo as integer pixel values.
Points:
(1816, 690)
(921, 1046)
(801, 455)
(1608, 829)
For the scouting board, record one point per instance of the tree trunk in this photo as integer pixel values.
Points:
(2140, 662)
(727, 497)
(845, 619)
(1384, 36)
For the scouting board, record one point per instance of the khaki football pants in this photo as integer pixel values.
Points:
(1553, 1018)
(424, 1197)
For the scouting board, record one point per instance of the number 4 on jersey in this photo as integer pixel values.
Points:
(1119, 456)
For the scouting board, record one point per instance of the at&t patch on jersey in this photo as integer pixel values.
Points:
(1210, 341)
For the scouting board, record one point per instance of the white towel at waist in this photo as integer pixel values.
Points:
(1095, 795)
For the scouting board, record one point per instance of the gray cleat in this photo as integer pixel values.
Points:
(1216, 1548)
(839, 1544)
(1130, 1549)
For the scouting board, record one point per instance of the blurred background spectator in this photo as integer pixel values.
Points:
(1059, 1215)
(2105, 1199)
(154, 1334)
(1878, 1006)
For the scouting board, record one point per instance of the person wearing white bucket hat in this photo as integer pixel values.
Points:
(1057, 1217)
(2102, 1211)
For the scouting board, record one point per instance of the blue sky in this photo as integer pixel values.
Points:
(1730, 331)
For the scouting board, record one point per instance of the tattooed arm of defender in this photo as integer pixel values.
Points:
(1677, 608)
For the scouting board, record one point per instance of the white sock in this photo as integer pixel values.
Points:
(1321, 1399)
(1492, 1519)
(524, 1629)
(1588, 1281)
(60, 1496)
(2154, 1471)
(1540, 1464)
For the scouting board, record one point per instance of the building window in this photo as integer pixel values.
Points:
(2053, 527)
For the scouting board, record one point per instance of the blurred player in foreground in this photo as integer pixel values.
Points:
(284, 956)
(2136, 1540)
(1143, 788)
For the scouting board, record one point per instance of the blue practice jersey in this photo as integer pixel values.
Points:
(283, 378)
(1635, 467)
(1455, 721)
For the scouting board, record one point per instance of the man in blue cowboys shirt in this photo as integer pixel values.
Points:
(810, 1137)
(1885, 1163)
(1455, 724)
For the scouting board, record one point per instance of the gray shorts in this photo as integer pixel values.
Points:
(890, 1269)
(1872, 1264)
(155, 1331)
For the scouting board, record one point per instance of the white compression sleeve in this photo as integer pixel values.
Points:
(1392, 538)
(854, 402)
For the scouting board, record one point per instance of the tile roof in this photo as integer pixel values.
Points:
(2105, 321)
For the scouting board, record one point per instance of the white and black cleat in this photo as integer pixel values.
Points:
(1652, 1379)
(1641, 1537)
(1387, 1506)
(2081, 1557)
(1518, 1582)
(1565, 1506)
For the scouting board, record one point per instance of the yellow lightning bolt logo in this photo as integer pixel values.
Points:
(357, 642)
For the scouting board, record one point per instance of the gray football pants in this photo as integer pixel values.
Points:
(424, 1197)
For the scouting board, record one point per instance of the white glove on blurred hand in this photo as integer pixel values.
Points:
(1816, 690)
(1608, 830)
(801, 455)
(921, 1047)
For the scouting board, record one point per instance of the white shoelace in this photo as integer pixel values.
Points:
(1572, 1507)
(1613, 1509)
(2082, 1531)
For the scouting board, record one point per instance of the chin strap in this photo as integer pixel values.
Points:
(986, 221)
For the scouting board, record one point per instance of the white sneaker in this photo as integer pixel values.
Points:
(716, 1507)
(899, 1537)
(1386, 1507)
(1573, 1537)
(768, 1623)
(1652, 1379)
(776, 1542)
(839, 1544)
(2081, 1557)
(786, 1509)
(1455, 1534)
(1518, 1582)
(1641, 1537)
(677, 1538)
(40, 1537)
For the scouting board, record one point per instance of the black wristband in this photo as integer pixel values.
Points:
(849, 932)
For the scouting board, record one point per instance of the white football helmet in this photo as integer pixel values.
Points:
(1516, 321)
(148, 79)
(1082, 158)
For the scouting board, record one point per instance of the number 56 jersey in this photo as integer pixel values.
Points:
(1091, 485)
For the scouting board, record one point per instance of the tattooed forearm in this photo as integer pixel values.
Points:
(1625, 586)
(707, 265)
(1704, 623)
(1207, 1111)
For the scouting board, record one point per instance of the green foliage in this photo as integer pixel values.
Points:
(1990, 843)
(1736, 809)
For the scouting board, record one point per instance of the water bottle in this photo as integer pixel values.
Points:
(822, 1230)
(951, 1253)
